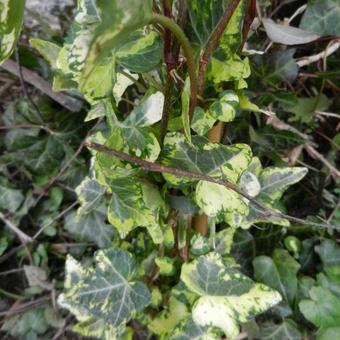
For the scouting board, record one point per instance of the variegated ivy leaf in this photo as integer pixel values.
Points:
(202, 121)
(215, 200)
(48, 50)
(227, 297)
(117, 19)
(107, 292)
(135, 203)
(167, 319)
(122, 83)
(274, 181)
(132, 136)
(266, 186)
(202, 156)
(189, 330)
(206, 14)
(90, 195)
(223, 109)
(140, 51)
(91, 227)
(11, 17)
(232, 69)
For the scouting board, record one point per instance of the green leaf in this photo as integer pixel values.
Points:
(31, 322)
(274, 181)
(321, 17)
(305, 108)
(202, 121)
(278, 272)
(330, 333)
(205, 16)
(10, 199)
(329, 252)
(202, 156)
(276, 67)
(188, 329)
(91, 227)
(140, 52)
(165, 265)
(286, 330)
(90, 195)
(227, 297)
(48, 50)
(166, 320)
(117, 19)
(223, 109)
(231, 69)
(108, 291)
(215, 200)
(11, 17)
(266, 186)
(135, 203)
(323, 309)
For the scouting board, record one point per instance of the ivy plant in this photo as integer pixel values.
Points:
(165, 195)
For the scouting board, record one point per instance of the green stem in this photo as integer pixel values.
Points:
(188, 53)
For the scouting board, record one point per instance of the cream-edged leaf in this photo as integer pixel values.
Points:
(202, 156)
(108, 291)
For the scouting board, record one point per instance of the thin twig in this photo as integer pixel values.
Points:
(23, 307)
(155, 167)
(65, 211)
(304, 61)
(24, 238)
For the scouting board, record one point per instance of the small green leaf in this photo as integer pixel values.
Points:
(278, 272)
(10, 199)
(90, 227)
(11, 17)
(165, 265)
(224, 109)
(90, 195)
(166, 320)
(48, 50)
(108, 291)
(329, 252)
(323, 309)
(232, 69)
(286, 330)
(322, 17)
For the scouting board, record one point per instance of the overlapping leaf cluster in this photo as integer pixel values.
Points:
(154, 270)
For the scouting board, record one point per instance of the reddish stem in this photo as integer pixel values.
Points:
(219, 30)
